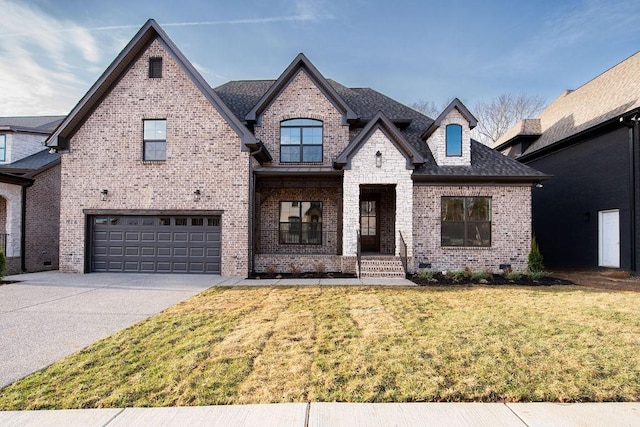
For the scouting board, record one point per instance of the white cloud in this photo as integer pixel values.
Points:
(40, 58)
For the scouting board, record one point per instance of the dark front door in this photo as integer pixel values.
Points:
(370, 223)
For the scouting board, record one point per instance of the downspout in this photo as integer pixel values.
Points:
(633, 168)
(252, 189)
(23, 228)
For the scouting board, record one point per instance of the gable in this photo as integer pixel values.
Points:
(149, 33)
(381, 125)
(301, 63)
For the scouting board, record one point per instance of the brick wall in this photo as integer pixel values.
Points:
(438, 141)
(270, 220)
(203, 152)
(510, 228)
(21, 145)
(363, 171)
(301, 98)
(304, 263)
(43, 221)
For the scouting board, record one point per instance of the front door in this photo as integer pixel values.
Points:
(609, 238)
(369, 223)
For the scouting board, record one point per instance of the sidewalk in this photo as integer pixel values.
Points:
(342, 415)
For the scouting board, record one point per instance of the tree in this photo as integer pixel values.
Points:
(499, 114)
(428, 108)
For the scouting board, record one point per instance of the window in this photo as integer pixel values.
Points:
(3, 148)
(454, 140)
(466, 221)
(155, 140)
(155, 68)
(301, 223)
(300, 141)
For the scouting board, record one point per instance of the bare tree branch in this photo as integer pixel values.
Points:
(499, 114)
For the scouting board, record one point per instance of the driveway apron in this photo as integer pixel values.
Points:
(50, 315)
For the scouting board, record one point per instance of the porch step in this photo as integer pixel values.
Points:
(380, 266)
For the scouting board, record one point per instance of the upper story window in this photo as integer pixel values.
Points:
(466, 221)
(454, 140)
(155, 68)
(301, 141)
(155, 140)
(3, 148)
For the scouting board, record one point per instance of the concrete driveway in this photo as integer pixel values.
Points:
(49, 315)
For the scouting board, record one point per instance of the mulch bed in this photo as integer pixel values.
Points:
(440, 279)
(308, 275)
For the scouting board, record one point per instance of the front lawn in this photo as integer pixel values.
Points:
(357, 344)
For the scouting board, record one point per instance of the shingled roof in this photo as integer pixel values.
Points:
(36, 124)
(606, 97)
(487, 164)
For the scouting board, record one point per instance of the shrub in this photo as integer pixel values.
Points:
(295, 269)
(270, 269)
(512, 275)
(425, 274)
(535, 258)
(535, 275)
(479, 275)
(318, 267)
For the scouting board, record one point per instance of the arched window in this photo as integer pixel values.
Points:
(301, 141)
(454, 140)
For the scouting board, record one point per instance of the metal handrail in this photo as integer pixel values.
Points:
(358, 251)
(403, 253)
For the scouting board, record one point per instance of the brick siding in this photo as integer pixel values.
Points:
(510, 228)
(203, 152)
(301, 98)
(43, 221)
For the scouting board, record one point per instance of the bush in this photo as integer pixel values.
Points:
(535, 275)
(512, 275)
(425, 274)
(479, 275)
(535, 264)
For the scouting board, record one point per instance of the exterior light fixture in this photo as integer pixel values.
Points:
(103, 195)
(196, 196)
(538, 185)
(378, 159)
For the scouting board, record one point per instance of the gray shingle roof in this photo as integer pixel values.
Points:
(241, 96)
(34, 161)
(37, 123)
(485, 163)
(607, 96)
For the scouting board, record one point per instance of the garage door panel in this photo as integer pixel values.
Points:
(161, 244)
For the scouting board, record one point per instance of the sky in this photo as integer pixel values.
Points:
(52, 51)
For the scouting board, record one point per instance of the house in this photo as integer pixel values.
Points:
(29, 194)
(588, 215)
(162, 173)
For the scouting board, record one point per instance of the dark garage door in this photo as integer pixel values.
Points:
(155, 244)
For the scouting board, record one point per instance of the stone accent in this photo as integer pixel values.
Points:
(203, 152)
(438, 141)
(363, 171)
(301, 98)
(510, 228)
(43, 221)
(13, 219)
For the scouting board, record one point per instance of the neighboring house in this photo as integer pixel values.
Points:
(29, 194)
(588, 215)
(162, 173)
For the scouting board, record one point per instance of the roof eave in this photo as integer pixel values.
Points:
(524, 179)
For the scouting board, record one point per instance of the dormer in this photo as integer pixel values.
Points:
(449, 136)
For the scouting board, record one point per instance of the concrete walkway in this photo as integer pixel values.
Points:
(342, 415)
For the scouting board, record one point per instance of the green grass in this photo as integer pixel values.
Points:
(357, 344)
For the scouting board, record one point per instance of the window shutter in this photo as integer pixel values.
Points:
(155, 68)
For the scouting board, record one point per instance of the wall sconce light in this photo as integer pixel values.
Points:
(103, 195)
(378, 159)
(538, 185)
(196, 196)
